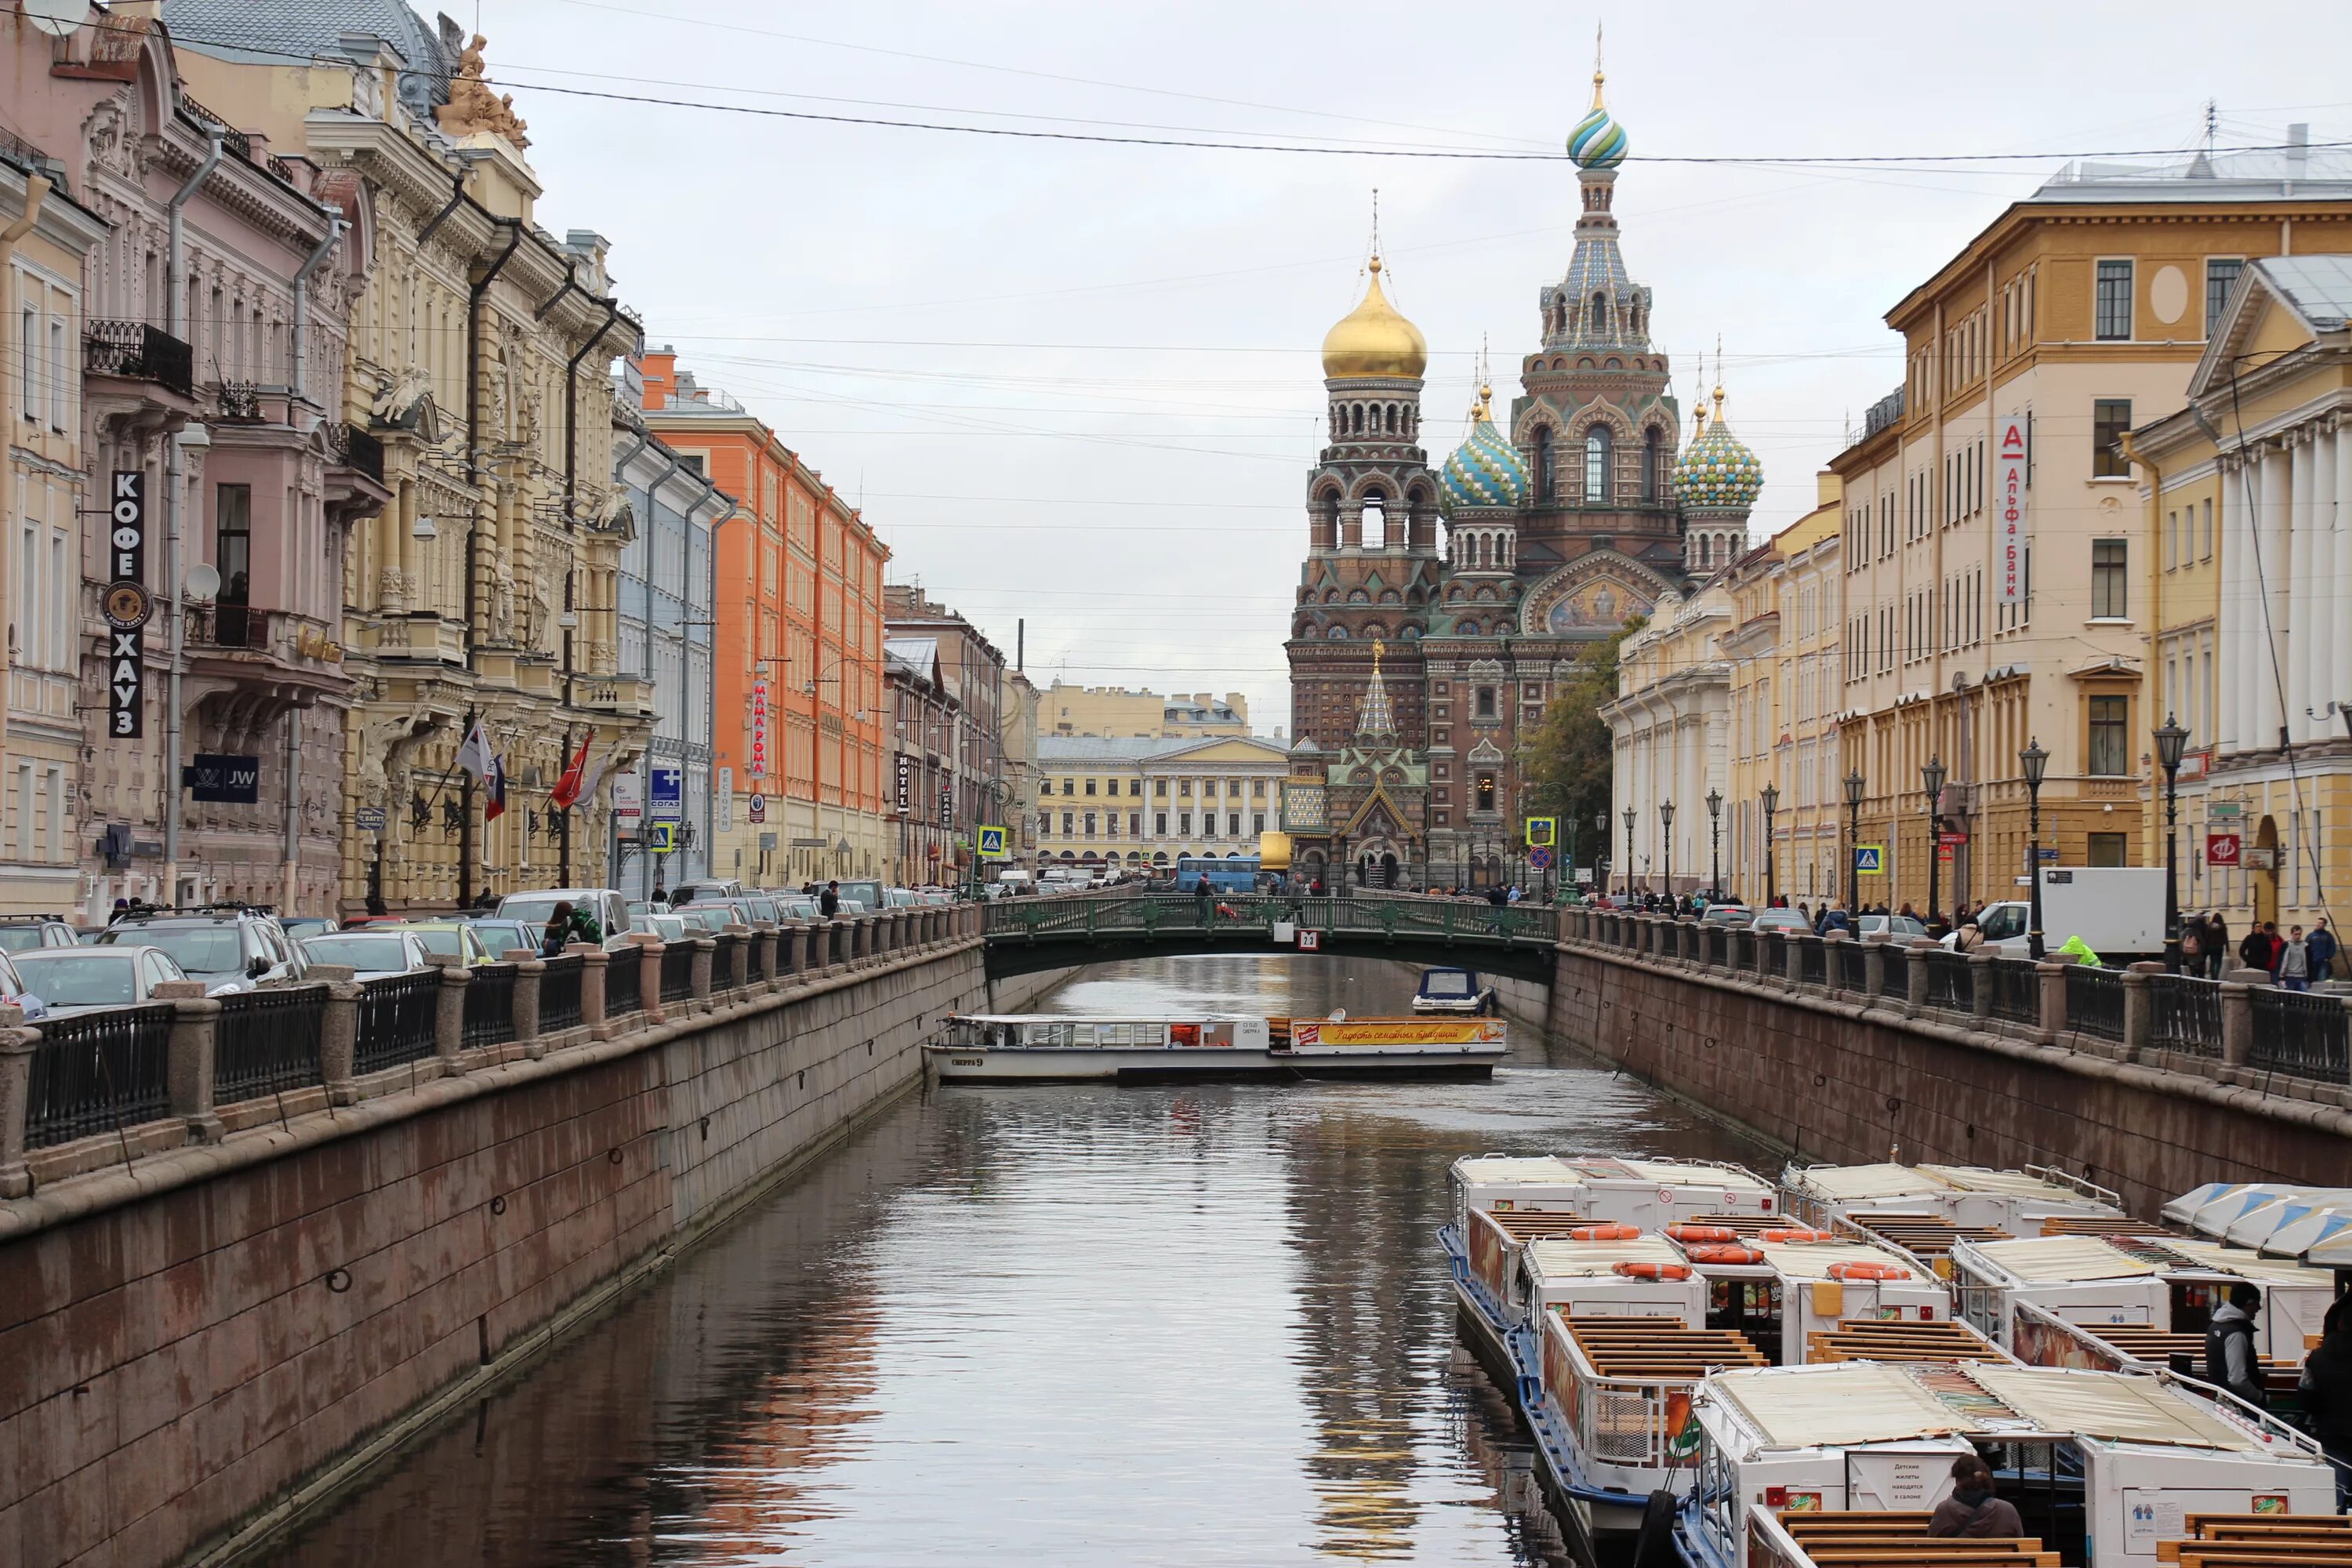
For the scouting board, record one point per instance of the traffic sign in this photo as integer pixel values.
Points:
(2221, 849)
(662, 838)
(1870, 860)
(1310, 941)
(669, 793)
(991, 844)
(1540, 858)
(1543, 831)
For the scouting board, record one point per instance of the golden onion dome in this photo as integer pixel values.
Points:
(1373, 340)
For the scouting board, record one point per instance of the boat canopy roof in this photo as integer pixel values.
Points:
(1811, 1259)
(1518, 1169)
(2009, 1183)
(2267, 1272)
(1852, 1403)
(1879, 1181)
(1559, 1258)
(1675, 1172)
(2062, 1260)
(1101, 1018)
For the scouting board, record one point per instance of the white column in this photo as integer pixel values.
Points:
(2339, 678)
(2228, 723)
(2295, 596)
(2266, 602)
(2316, 606)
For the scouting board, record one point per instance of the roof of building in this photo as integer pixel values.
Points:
(270, 31)
(1373, 340)
(2319, 287)
(2264, 173)
(1598, 142)
(1064, 749)
(1485, 470)
(1718, 471)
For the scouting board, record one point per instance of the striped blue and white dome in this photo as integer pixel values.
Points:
(1598, 142)
(1717, 471)
(1486, 470)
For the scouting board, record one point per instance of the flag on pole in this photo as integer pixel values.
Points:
(568, 789)
(474, 756)
(494, 783)
(593, 776)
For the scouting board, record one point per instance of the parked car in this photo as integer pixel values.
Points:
(666, 928)
(300, 926)
(1736, 916)
(1781, 919)
(370, 950)
(706, 919)
(29, 933)
(83, 979)
(455, 939)
(230, 948)
(12, 990)
(1903, 926)
(538, 907)
(501, 936)
(867, 891)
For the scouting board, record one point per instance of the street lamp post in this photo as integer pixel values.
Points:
(1600, 851)
(1770, 796)
(1854, 788)
(2171, 740)
(1666, 836)
(1628, 851)
(1714, 845)
(1931, 779)
(2033, 759)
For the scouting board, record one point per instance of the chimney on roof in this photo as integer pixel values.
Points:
(2298, 150)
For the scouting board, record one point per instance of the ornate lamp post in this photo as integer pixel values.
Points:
(1628, 851)
(1854, 788)
(2033, 759)
(1666, 838)
(1714, 843)
(2171, 740)
(1770, 796)
(1600, 850)
(1931, 779)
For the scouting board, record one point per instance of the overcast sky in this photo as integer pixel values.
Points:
(1078, 382)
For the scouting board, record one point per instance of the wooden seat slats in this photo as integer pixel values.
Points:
(1658, 1347)
(1871, 1339)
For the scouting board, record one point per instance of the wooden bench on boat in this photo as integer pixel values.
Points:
(1923, 1235)
(2158, 1346)
(2261, 1540)
(1872, 1339)
(1891, 1538)
(1657, 1350)
(2099, 1225)
(1748, 1225)
(1523, 1226)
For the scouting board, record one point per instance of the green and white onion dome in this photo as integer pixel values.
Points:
(1716, 472)
(1598, 142)
(1486, 470)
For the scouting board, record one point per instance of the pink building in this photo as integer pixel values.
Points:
(212, 347)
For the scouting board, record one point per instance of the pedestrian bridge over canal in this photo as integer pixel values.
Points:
(1028, 935)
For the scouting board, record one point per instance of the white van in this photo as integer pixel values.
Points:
(536, 905)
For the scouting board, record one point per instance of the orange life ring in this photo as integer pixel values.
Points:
(1797, 1236)
(1702, 1232)
(1654, 1270)
(1604, 1233)
(1719, 1252)
(1868, 1271)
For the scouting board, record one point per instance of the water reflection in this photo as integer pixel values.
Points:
(1049, 1325)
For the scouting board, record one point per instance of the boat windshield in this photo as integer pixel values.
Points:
(1446, 983)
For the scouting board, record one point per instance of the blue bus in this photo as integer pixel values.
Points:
(1237, 874)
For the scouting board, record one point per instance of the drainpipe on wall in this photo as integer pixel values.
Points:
(474, 295)
(572, 406)
(301, 330)
(37, 191)
(175, 310)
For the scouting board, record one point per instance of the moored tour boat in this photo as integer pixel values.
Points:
(982, 1048)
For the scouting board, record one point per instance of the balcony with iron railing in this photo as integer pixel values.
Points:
(134, 351)
(361, 451)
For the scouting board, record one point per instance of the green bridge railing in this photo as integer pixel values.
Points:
(1081, 916)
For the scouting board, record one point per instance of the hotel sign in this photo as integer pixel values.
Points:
(2008, 511)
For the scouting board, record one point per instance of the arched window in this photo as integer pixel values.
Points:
(1356, 420)
(1654, 464)
(1393, 419)
(1596, 465)
(1599, 323)
(1543, 462)
(1376, 521)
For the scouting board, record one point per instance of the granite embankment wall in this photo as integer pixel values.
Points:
(197, 1346)
(1841, 1079)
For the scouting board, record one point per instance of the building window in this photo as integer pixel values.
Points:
(2110, 745)
(1159, 825)
(1257, 822)
(1070, 824)
(2220, 277)
(1485, 800)
(1160, 789)
(2205, 536)
(1069, 786)
(29, 364)
(2110, 595)
(1485, 703)
(233, 556)
(58, 379)
(1596, 465)
(1257, 789)
(1090, 786)
(1543, 462)
(1044, 824)
(1654, 464)
(2110, 417)
(1135, 786)
(1234, 824)
(2113, 320)
(1090, 824)
(1184, 824)
(1135, 824)
(1184, 791)
(2107, 848)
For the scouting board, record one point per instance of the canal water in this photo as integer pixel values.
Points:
(1047, 1326)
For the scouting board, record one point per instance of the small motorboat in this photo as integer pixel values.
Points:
(1455, 990)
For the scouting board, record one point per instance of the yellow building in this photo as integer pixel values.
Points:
(2078, 313)
(1783, 649)
(1140, 805)
(1116, 713)
(478, 380)
(45, 237)
(2248, 490)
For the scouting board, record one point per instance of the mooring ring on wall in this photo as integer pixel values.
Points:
(1820, 1078)
(339, 1280)
(614, 1155)
(499, 1204)
(1893, 1104)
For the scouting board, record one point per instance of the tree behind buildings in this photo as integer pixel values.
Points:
(1567, 761)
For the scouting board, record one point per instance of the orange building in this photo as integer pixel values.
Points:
(799, 608)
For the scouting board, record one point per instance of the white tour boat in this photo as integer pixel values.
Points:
(1038, 1048)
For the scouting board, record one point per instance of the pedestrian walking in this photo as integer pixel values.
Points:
(1972, 937)
(1200, 896)
(2294, 962)
(2217, 944)
(2229, 1359)
(2254, 950)
(2322, 943)
(2192, 947)
(2326, 1392)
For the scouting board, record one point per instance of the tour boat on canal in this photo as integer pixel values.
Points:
(1036, 1048)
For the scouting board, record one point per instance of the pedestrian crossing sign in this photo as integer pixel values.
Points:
(991, 844)
(1870, 860)
(661, 837)
(1543, 832)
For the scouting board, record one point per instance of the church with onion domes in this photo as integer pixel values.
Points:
(1438, 609)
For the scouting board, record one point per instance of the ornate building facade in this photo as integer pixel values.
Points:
(1417, 660)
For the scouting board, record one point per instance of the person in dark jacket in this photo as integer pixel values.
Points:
(828, 903)
(2321, 946)
(1202, 894)
(2254, 950)
(2327, 1391)
(558, 930)
(2217, 944)
(2229, 1359)
(1972, 1509)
